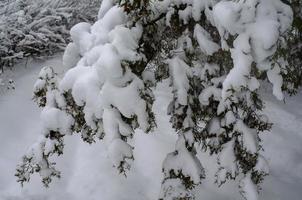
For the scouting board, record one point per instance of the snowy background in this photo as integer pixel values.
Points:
(87, 172)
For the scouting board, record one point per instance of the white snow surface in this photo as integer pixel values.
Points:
(87, 172)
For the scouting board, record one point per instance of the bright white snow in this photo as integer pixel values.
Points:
(87, 172)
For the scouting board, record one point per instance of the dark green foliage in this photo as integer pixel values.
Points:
(292, 52)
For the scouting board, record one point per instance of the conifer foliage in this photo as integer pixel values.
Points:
(39, 27)
(215, 53)
(291, 51)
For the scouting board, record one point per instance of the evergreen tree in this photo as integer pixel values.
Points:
(37, 28)
(214, 52)
(291, 51)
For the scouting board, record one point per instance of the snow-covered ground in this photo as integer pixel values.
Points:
(88, 174)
